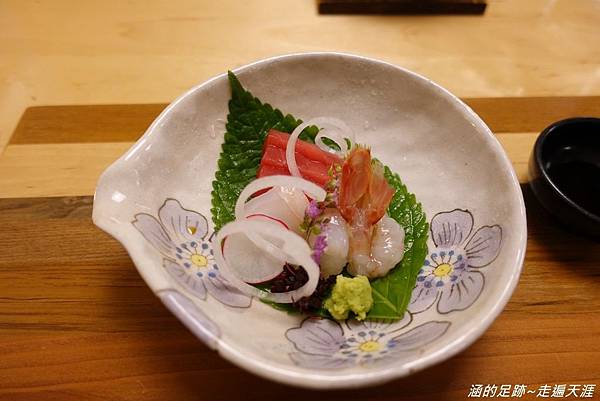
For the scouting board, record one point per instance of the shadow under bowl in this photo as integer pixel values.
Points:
(564, 173)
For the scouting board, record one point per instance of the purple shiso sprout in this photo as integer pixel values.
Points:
(313, 210)
(319, 248)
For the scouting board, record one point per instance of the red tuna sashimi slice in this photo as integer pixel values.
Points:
(313, 162)
(311, 151)
(274, 159)
(266, 169)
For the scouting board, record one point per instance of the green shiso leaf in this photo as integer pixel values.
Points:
(248, 122)
(392, 293)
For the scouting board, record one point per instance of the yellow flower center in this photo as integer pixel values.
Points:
(199, 260)
(369, 346)
(192, 230)
(443, 270)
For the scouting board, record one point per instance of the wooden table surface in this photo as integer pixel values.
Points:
(56, 52)
(78, 323)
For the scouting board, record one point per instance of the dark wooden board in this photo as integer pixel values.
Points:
(78, 323)
(126, 123)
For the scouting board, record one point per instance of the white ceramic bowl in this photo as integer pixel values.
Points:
(156, 201)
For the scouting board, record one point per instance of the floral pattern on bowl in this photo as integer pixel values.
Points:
(327, 344)
(180, 235)
(451, 275)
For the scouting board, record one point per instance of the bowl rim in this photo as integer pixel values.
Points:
(281, 373)
(554, 129)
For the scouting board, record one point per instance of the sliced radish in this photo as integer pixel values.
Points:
(264, 217)
(253, 262)
(293, 183)
(282, 204)
(264, 260)
(292, 245)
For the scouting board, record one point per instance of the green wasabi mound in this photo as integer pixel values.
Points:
(350, 295)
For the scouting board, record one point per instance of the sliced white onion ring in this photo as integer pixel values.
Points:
(335, 130)
(293, 246)
(309, 188)
(290, 149)
(328, 124)
(338, 140)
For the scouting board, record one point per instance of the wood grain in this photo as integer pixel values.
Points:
(55, 169)
(85, 124)
(126, 123)
(80, 52)
(73, 168)
(78, 323)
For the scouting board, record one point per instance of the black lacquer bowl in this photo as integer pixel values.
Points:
(564, 171)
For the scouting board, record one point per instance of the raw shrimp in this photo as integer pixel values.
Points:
(364, 196)
(335, 256)
(387, 245)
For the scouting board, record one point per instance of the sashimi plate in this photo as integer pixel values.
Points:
(156, 200)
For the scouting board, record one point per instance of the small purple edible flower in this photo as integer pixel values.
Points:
(313, 210)
(319, 247)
